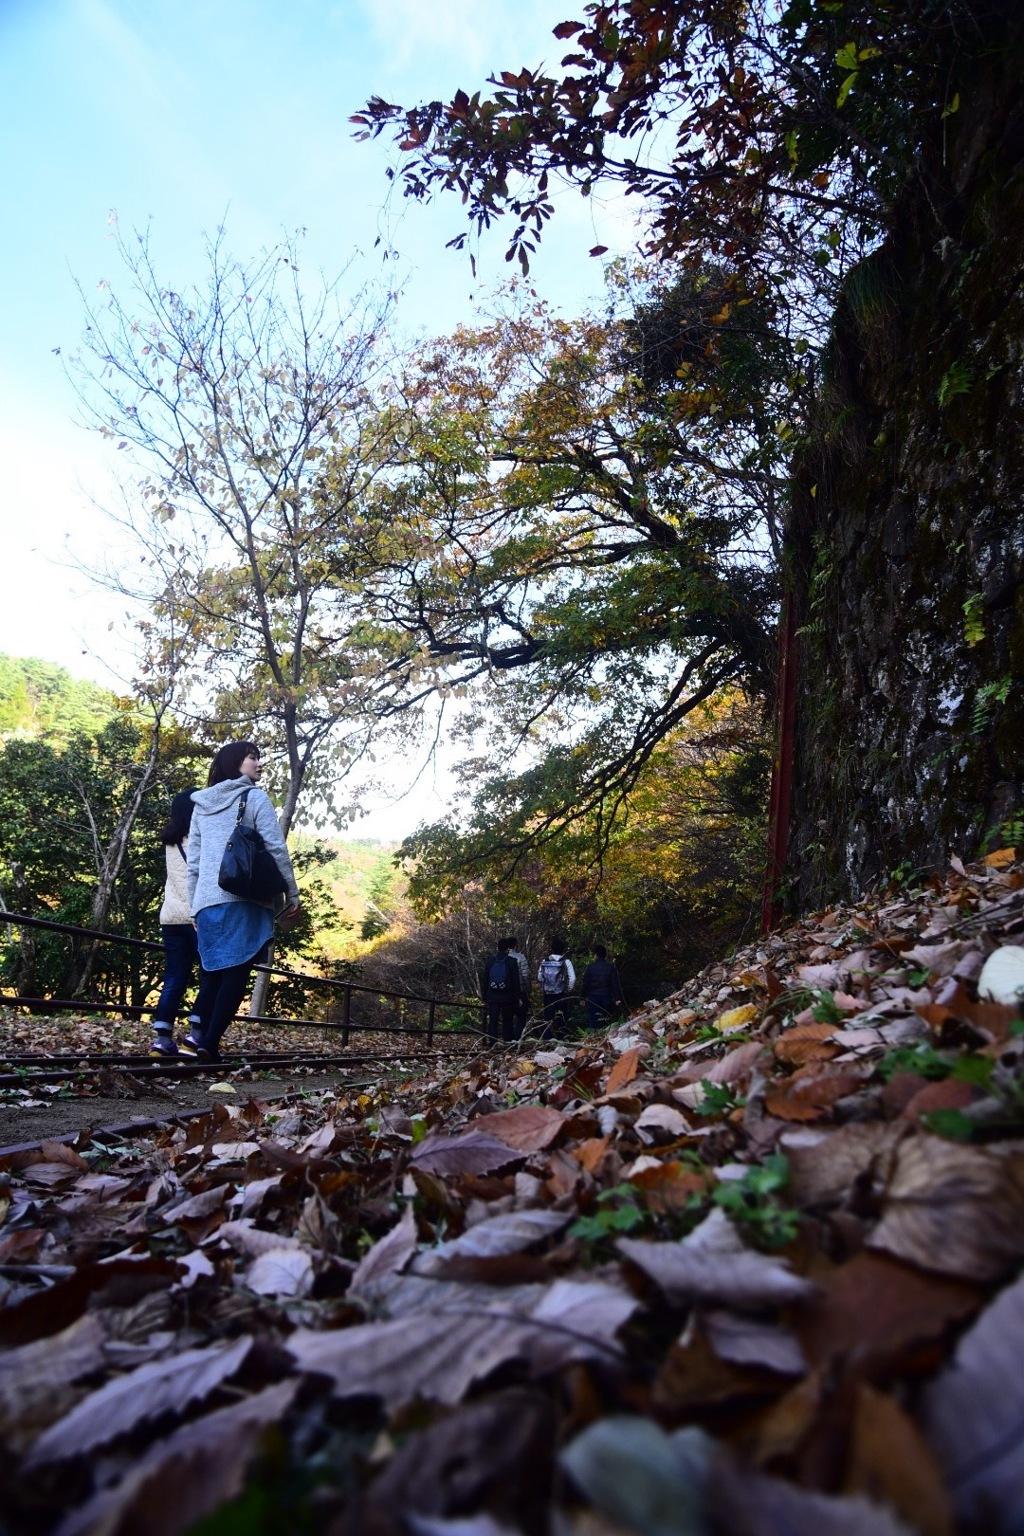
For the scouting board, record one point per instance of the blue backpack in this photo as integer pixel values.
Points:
(499, 977)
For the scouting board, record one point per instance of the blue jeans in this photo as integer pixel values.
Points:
(181, 951)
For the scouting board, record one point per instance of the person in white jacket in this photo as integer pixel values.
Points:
(233, 931)
(177, 930)
(557, 979)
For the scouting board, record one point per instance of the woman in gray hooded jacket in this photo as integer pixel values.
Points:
(233, 932)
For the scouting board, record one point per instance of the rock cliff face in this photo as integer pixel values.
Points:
(908, 527)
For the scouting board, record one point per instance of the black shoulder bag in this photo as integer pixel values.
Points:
(248, 868)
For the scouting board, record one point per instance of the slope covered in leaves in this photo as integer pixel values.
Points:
(749, 1264)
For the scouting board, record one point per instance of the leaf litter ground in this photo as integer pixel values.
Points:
(749, 1264)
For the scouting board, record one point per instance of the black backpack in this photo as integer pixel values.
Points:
(502, 978)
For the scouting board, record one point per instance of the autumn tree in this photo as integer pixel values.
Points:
(774, 139)
(580, 566)
(79, 845)
(227, 400)
(854, 168)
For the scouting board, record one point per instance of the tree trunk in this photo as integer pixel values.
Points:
(109, 861)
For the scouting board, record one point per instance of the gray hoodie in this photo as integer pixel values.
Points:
(213, 821)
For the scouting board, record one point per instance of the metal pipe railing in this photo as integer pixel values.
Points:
(345, 1026)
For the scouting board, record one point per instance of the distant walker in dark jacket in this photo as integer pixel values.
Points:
(601, 988)
(499, 988)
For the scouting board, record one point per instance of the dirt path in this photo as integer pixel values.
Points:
(112, 1102)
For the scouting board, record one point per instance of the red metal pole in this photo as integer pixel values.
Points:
(782, 768)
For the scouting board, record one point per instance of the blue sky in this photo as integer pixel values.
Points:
(185, 114)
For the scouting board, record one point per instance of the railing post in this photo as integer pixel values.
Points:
(346, 1015)
(430, 1021)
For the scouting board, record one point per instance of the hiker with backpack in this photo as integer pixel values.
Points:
(500, 990)
(557, 979)
(523, 1005)
(601, 987)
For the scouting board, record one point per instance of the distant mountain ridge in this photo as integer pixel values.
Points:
(40, 699)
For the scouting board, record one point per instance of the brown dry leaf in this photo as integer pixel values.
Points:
(245, 1237)
(810, 1093)
(785, 1426)
(254, 1193)
(188, 1476)
(765, 1506)
(198, 1206)
(512, 1232)
(825, 1164)
(35, 1380)
(528, 1128)
(749, 1341)
(496, 1455)
(873, 1309)
(661, 1122)
(807, 1042)
(590, 1152)
(439, 1353)
(669, 1186)
(1001, 858)
(279, 1271)
(890, 1461)
(165, 1386)
(712, 1265)
(624, 1071)
(387, 1257)
(58, 1152)
(956, 1209)
(472, 1151)
(947, 1094)
(734, 1065)
(973, 1415)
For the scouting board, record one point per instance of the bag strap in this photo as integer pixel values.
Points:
(242, 799)
(181, 850)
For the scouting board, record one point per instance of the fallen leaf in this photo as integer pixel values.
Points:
(749, 1341)
(890, 1460)
(440, 1353)
(735, 1065)
(948, 1094)
(736, 1018)
(166, 1386)
(623, 1072)
(472, 1151)
(280, 1271)
(529, 1128)
(35, 1380)
(807, 1042)
(387, 1257)
(245, 1237)
(1001, 858)
(494, 1457)
(660, 1122)
(973, 1416)
(713, 1265)
(824, 1165)
(871, 1310)
(510, 1233)
(956, 1209)
(187, 1476)
(755, 1505)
